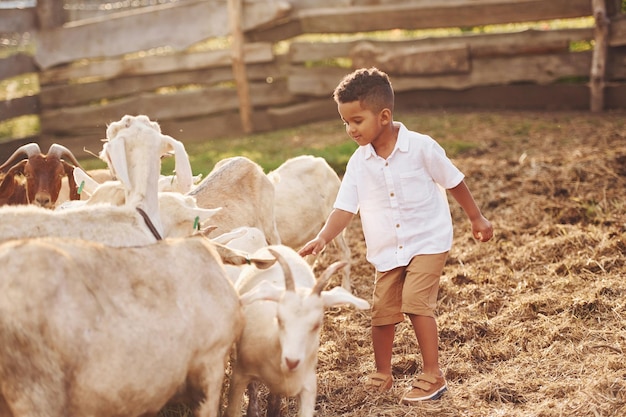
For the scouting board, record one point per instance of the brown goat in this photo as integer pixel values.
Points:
(41, 175)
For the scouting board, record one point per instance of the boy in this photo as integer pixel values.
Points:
(396, 179)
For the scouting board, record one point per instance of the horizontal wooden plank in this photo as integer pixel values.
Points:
(301, 113)
(537, 69)
(156, 64)
(63, 95)
(413, 60)
(442, 14)
(418, 15)
(17, 64)
(617, 31)
(211, 126)
(203, 127)
(67, 95)
(21, 106)
(184, 104)
(616, 66)
(615, 97)
(540, 69)
(528, 42)
(553, 97)
(502, 44)
(146, 28)
(315, 82)
(18, 20)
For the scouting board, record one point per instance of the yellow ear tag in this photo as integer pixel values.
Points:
(80, 189)
(196, 223)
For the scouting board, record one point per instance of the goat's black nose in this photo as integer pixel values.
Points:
(43, 200)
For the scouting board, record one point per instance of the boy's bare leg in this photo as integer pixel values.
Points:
(382, 341)
(425, 328)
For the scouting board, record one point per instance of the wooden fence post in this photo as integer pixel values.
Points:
(239, 65)
(600, 50)
(50, 14)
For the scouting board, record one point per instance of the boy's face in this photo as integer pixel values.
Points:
(363, 125)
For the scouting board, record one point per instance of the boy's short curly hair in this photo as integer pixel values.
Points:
(370, 86)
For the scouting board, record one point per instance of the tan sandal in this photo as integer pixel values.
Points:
(425, 387)
(378, 382)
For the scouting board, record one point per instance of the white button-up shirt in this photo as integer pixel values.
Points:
(402, 199)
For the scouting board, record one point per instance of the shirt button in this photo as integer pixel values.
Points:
(400, 247)
(397, 225)
(391, 194)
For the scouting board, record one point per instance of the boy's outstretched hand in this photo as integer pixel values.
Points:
(313, 247)
(482, 229)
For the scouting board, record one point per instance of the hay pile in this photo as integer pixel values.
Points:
(532, 323)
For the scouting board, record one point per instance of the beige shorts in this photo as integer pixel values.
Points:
(410, 289)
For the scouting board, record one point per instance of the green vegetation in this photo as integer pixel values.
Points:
(19, 127)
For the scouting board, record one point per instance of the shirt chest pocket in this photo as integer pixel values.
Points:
(417, 186)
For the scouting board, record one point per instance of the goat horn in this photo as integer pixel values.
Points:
(289, 284)
(322, 281)
(27, 150)
(62, 152)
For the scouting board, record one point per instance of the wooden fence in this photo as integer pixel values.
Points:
(177, 62)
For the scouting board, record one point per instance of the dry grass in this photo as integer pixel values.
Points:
(532, 323)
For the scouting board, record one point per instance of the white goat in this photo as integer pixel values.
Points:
(133, 154)
(118, 226)
(242, 189)
(305, 191)
(91, 330)
(284, 309)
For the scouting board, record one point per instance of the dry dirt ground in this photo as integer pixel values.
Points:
(532, 323)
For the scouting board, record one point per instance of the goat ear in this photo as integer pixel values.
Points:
(81, 176)
(339, 296)
(263, 291)
(182, 167)
(114, 154)
(17, 168)
(7, 185)
(69, 173)
(184, 178)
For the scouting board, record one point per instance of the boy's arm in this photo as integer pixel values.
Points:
(481, 227)
(336, 222)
